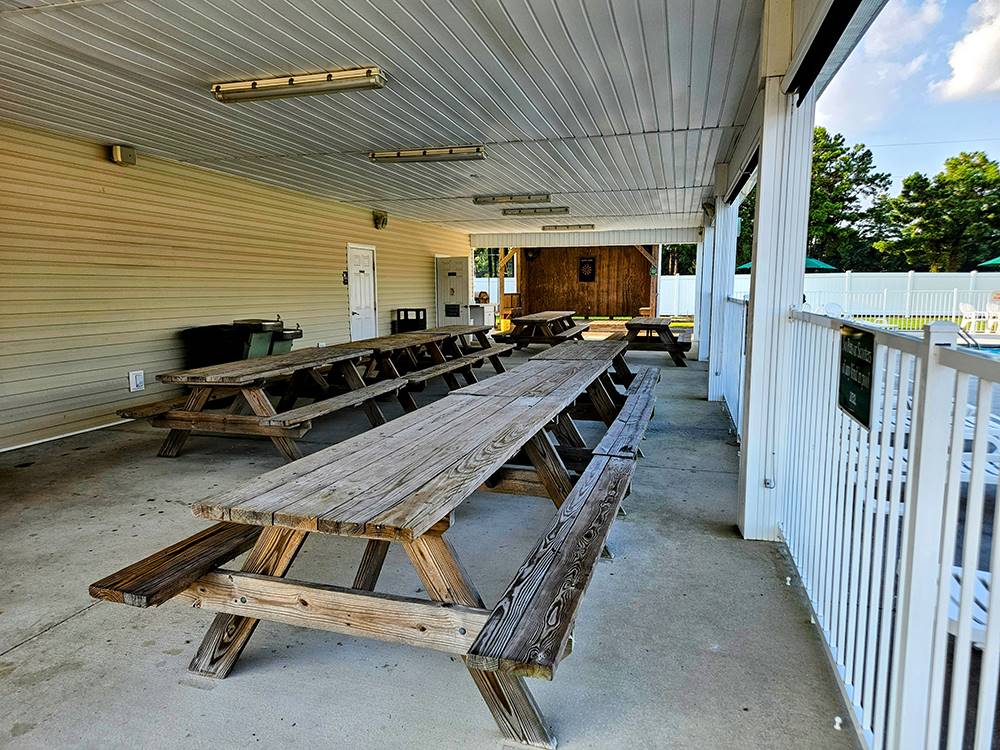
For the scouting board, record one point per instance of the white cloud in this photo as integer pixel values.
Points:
(901, 25)
(870, 83)
(975, 58)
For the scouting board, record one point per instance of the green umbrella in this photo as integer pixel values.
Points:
(817, 265)
(993, 262)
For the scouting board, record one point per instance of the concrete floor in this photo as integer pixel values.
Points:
(688, 639)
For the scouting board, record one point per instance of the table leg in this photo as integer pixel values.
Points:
(291, 394)
(617, 397)
(622, 369)
(404, 396)
(507, 696)
(483, 339)
(272, 555)
(673, 347)
(550, 467)
(371, 564)
(175, 439)
(603, 402)
(567, 432)
(355, 382)
(437, 356)
(261, 406)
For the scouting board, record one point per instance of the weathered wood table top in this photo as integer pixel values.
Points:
(396, 481)
(546, 316)
(461, 330)
(247, 371)
(648, 323)
(573, 350)
(396, 341)
(540, 379)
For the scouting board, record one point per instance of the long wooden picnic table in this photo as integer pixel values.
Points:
(246, 379)
(305, 370)
(400, 482)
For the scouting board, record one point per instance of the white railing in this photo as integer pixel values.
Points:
(733, 362)
(891, 530)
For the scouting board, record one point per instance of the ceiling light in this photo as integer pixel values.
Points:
(543, 211)
(314, 83)
(453, 153)
(567, 227)
(486, 200)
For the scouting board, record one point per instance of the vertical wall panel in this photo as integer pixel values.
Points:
(103, 266)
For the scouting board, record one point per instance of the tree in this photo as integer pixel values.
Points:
(950, 222)
(844, 189)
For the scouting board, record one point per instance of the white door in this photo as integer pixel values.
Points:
(361, 291)
(454, 290)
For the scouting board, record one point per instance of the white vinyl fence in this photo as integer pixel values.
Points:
(903, 300)
(892, 530)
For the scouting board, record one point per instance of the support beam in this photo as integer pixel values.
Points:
(724, 237)
(779, 250)
(451, 628)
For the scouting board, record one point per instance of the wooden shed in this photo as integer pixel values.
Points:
(601, 281)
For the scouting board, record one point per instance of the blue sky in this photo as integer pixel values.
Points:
(926, 71)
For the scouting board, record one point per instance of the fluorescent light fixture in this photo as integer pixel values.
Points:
(542, 211)
(451, 153)
(488, 200)
(567, 227)
(313, 83)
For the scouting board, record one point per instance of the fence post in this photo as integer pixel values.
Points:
(972, 280)
(909, 293)
(919, 563)
(954, 303)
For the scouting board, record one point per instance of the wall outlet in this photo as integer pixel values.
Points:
(321, 344)
(136, 380)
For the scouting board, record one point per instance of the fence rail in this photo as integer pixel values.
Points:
(891, 530)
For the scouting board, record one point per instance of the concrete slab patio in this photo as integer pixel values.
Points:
(690, 638)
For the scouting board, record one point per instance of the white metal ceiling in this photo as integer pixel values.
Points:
(619, 108)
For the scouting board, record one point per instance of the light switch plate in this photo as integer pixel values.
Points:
(136, 380)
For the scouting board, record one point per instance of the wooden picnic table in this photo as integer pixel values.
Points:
(658, 330)
(548, 327)
(246, 379)
(401, 482)
(464, 331)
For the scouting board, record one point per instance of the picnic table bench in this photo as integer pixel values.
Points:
(549, 327)
(401, 482)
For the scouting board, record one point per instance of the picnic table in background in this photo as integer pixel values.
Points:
(612, 350)
(645, 333)
(401, 482)
(247, 379)
(549, 327)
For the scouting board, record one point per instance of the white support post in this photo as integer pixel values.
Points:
(776, 284)
(699, 279)
(723, 275)
(704, 291)
(919, 563)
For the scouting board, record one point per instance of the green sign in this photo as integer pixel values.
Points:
(857, 353)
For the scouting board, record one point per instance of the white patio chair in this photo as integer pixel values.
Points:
(992, 317)
(969, 317)
(833, 310)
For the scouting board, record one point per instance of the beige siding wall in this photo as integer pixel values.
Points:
(102, 265)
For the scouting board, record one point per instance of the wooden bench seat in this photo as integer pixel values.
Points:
(165, 574)
(576, 331)
(625, 433)
(144, 411)
(527, 632)
(459, 364)
(325, 406)
(617, 336)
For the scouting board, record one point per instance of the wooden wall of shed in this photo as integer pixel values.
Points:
(103, 265)
(551, 281)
